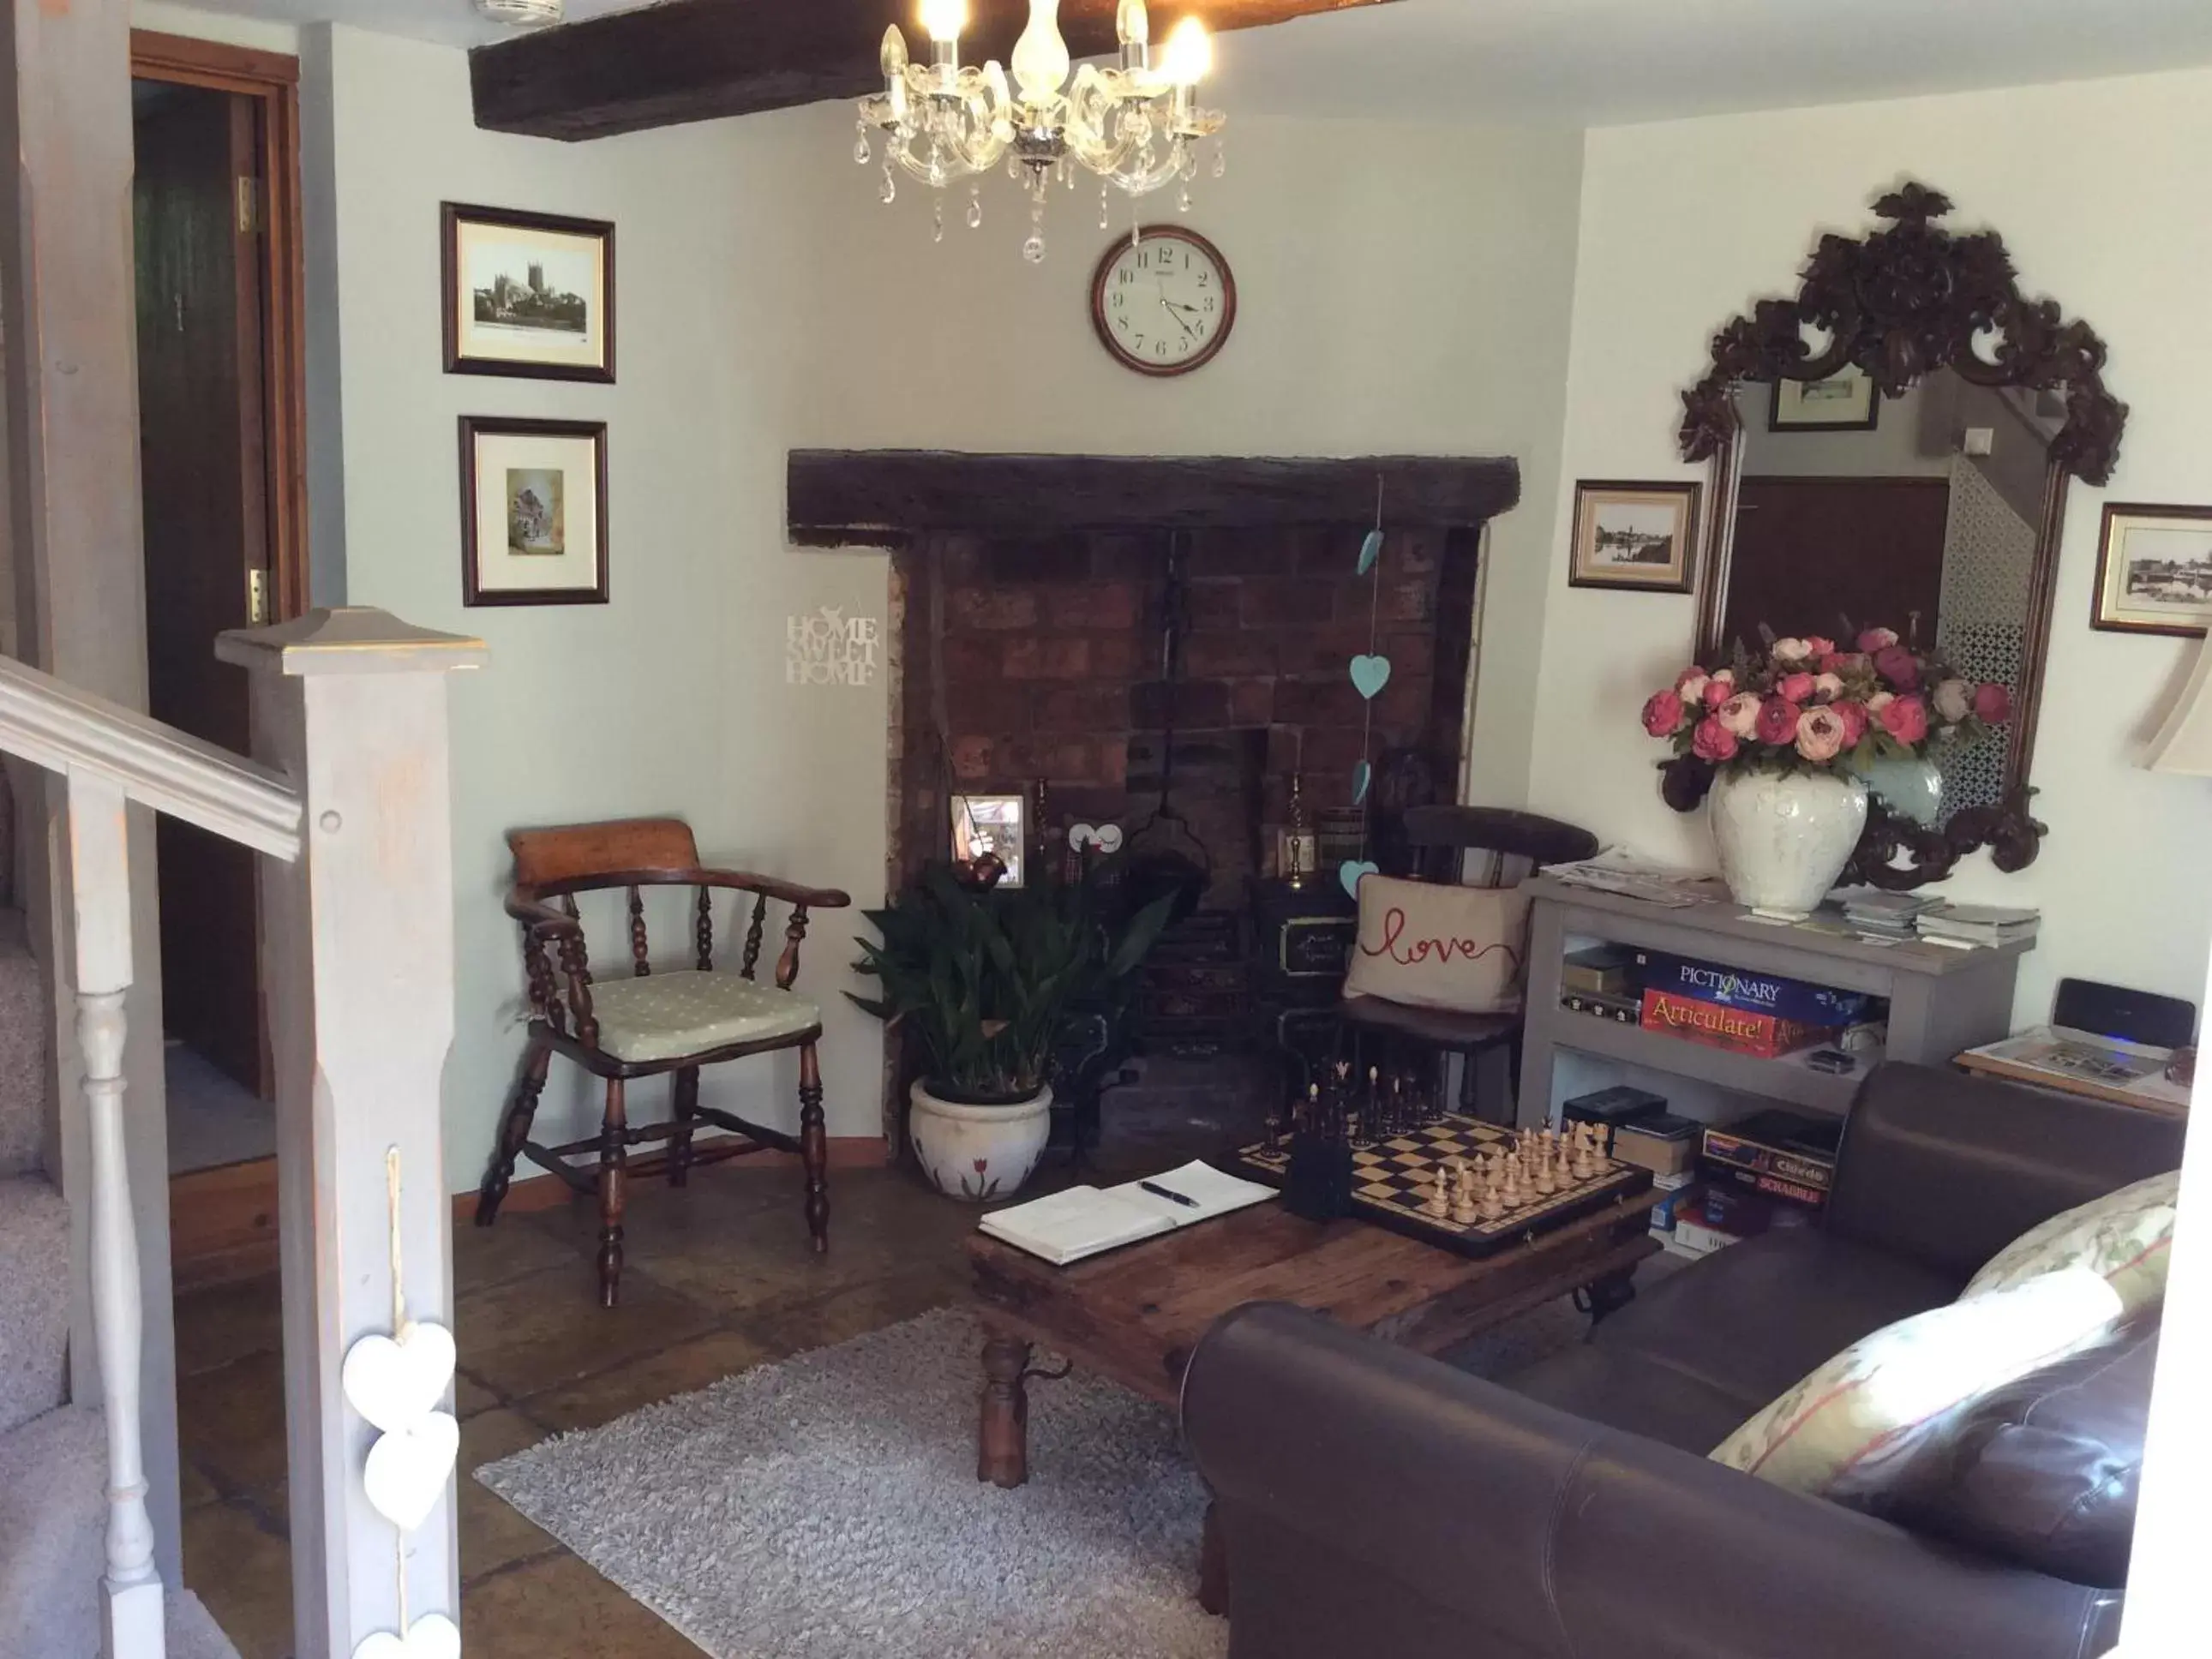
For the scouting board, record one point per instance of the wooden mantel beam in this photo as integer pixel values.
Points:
(881, 497)
(695, 60)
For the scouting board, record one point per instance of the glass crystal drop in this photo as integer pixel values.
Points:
(1220, 160)
(889, 191)
(937, 220)
(1033, 249)
(860, 150)
(1105, 210)
(975, 209)
(1182, 199)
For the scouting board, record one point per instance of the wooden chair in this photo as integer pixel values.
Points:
(1445, 842)
(649, 1023)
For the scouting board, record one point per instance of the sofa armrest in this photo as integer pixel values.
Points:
(1947, 1170)
(1374, 1501)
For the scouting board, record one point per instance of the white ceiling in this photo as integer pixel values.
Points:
(1580, 62)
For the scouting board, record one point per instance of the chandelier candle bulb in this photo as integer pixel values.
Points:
(1041, 60)
(942, 20)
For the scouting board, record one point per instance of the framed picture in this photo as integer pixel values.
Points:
(533, 512)
(2154, 570)
(529, 293)
(989, 823)
(1634, 534)
(1845, 402)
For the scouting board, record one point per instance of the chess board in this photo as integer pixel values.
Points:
(1391, 1178)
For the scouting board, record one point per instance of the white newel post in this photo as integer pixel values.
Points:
(357, 952)
(100, 880)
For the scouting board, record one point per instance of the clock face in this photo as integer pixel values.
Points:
(1163, 304)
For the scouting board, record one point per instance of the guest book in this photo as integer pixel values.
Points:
(1083, 1221)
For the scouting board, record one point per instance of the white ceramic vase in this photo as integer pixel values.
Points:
(1784, 838)
(978, 1152)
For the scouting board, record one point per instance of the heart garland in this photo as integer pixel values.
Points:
(433, 1636)
(1370, 675)
(1349, 872)
(394, 1381)
(1362, 775)
(408, 1468)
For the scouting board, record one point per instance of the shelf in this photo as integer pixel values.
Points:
(1788, 1080)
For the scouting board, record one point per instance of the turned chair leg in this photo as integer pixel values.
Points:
(813, 1147)
(514, 1130)
(614, 1158)
(687, 1114)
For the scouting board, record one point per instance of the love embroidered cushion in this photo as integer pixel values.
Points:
(2126, 1237)
(1436, 945)
(1849, 1425)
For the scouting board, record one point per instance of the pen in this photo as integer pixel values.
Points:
(1184, 1199)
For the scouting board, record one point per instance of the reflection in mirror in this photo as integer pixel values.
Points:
(1918, 513)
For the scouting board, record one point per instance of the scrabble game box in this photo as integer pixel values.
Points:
(1718, 1026)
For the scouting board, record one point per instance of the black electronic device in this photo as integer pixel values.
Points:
(2113, 1010)
(1832, 1060)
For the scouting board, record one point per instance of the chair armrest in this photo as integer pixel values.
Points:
(1374, 1501)
(545, 924)
(543, 920)
(788, 892)
(1947, 1170)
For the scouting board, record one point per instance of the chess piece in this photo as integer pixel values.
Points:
(1437, 1203)
(1586, 1164)
(1464, 1210)
(1494, 1202)
(1547, 1180)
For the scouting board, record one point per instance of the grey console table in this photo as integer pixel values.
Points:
(1941, 1001)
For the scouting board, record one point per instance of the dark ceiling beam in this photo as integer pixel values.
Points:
(696, 60)
(882, 497)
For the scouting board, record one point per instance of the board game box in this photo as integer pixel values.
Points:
(1717, 1026)
(1392, 1178)
(1791, 999)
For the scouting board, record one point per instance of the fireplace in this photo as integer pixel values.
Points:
(1162, 645)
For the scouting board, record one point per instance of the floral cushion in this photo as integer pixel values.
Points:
(669, 1016)
(1843, 1430)
(2125, 1236)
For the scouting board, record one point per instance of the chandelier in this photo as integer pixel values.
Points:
(1136, 126)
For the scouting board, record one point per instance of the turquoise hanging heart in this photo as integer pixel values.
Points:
(1360, 777)
(1350, 871)
(1371, 675)
(1369, 550)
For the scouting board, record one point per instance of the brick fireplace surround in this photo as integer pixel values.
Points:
(1029, 594)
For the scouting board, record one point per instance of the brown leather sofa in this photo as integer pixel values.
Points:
(1375, 1503)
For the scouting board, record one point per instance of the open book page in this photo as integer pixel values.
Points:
(1082, 1221)
(1213, 1192)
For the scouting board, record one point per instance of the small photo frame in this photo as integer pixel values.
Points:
(1634, 534)
(533, 512)
(2154, 570)
(528, 293)
(1845, 401)
(990, 823)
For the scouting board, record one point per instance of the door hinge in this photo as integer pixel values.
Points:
(249, 205)
(257, 598)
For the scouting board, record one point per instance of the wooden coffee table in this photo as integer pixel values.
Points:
(1135, 1314)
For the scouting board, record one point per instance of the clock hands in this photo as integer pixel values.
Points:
(1175, 312)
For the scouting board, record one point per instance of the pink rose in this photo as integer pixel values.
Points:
(1689, 674)
(1662, 715)
(1877, 639)
(1880, 700)
(1712, 741)
(1953, 700)
(1992, 705)
(1797, 688)
(1691, 688)
(1905, 719)
(1790, 650)
(1719, 692)
(1898, 666)
(1820, 646)
(1821, 734)
(1856, 720)
(1777, 720)
(1829, 686)
(1740, 713)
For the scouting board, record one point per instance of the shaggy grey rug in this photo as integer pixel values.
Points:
(826, 1507)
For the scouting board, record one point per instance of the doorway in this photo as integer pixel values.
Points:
(216, 233)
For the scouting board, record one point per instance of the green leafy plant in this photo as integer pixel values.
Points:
(984, 979)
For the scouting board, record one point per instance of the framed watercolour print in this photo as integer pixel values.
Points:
(533, 512)
(1845, 402)
(2154, 570)
(1634, 534)
(528, 293)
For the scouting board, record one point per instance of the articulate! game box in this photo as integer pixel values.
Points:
(1719, 1026)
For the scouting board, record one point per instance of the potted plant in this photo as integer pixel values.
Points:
(982, 978)
(1783, 745)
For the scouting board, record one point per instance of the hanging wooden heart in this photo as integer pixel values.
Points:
(434, 1636)
(393, 1381)
(1352, 870)
(1371, 675)
(1362, 775)
(407, 1469)
(1369, 550)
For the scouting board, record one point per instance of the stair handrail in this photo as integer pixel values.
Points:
(72, 732)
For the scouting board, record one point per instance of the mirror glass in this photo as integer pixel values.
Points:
(1919, 514)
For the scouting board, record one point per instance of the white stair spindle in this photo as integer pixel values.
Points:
(99, 876)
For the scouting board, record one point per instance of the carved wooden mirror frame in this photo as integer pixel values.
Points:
(1901, 303)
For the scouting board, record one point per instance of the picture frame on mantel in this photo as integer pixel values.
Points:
(533, 512)
(2154, 570)
(1641, 537)
(529, 296)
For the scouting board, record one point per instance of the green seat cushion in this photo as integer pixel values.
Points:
(669, 1016)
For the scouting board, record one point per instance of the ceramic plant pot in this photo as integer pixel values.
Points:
(1784, 838)
(978, 1152)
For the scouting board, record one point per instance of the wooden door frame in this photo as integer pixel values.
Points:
(273, 80)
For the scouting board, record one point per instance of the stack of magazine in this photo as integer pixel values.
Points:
(1875, 915)
(1965, 927)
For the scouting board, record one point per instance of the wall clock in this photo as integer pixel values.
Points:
(1163, 303)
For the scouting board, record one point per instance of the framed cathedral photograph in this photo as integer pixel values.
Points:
(533, 512)
(528, 293)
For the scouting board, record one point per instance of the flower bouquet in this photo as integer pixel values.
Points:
(1781, 745)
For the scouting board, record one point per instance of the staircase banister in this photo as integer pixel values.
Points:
(73, 733)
